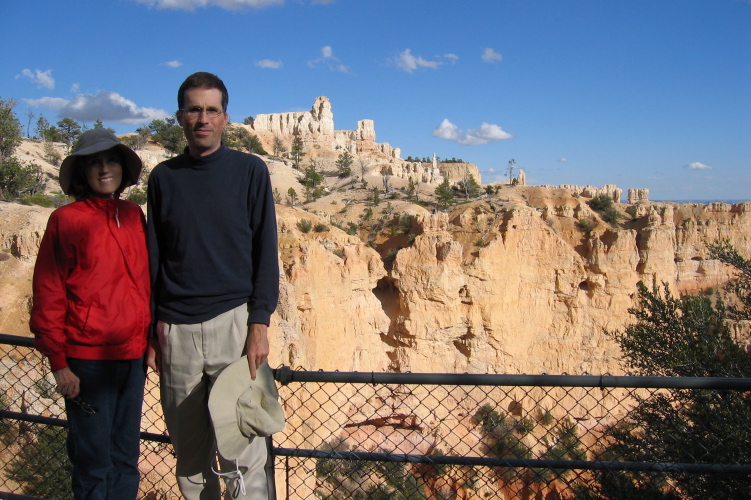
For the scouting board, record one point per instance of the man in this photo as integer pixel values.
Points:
(213, 256)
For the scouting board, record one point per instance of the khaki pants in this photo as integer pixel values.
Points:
(192, 358)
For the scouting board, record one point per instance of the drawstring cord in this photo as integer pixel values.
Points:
(231, 475)
(117, 209)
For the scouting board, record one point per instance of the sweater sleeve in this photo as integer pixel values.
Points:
(265, 256)
(50, 304)
(153, 245)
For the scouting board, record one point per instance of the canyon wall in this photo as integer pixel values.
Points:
(489, 288)
(501, 289)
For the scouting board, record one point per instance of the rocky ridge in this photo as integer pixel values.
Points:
(511, 282)
(498, 285)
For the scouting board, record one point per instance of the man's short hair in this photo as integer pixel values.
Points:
(202, 80)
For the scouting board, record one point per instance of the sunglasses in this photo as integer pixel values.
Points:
(87, 409)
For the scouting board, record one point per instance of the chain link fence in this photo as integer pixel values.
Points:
(433, 436)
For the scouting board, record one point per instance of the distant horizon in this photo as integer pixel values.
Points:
(711, 200)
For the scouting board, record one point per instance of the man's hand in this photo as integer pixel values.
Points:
(68, 384)
(257, 347)
(154, 355)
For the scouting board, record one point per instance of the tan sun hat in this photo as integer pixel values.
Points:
(242, 408)
(94, 141)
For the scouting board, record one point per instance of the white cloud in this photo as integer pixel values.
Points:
(74, 88)
(491, 56)
(321, 2)
(409, 63)
(56, 103)
(698, 166)
(269, 64)
(41, 78)
(172, 64)
(485, 133)
(222, 4)
(563, 159)
(451, 57)
(105, 106)
(327, 59)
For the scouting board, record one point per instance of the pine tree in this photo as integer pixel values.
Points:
(296, 152)
(344, 164)
(687, 337)
(445, 194)
(10, 129)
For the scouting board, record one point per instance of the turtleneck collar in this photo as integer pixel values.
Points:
(203, 160)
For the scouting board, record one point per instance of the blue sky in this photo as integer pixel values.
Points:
(637, 93)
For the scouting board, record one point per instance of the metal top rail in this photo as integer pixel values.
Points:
(286, 375)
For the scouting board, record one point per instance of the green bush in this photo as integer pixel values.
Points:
(566, 445)
(45, 388)
(51, 156)
(683, 337)
(239, 138)
(4, 423)
(406, 221)
(60, 200)
(17, 180)
(137, 195)
(305, 225)
(41, 467)
(544, 417)
(603, 205)
(41, 200)
(632, 210)
(586, 225)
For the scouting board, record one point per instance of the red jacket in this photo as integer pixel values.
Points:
(91, 283)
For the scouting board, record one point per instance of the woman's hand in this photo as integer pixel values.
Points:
(68, 384)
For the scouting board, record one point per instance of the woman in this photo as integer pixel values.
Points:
(91, 313)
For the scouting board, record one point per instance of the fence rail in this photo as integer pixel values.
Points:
(431, 436)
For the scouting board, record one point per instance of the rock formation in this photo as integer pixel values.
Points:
(521, 179)
(316, 129)
(417, 171)
(456, 172)
(610, 190)
(638, 195)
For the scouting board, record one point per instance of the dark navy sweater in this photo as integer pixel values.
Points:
(212, 237)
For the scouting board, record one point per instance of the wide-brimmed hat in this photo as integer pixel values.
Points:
(94, 141)
(242, 408)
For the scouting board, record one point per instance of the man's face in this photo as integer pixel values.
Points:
(203, 132)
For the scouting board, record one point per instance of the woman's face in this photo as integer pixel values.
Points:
(104, 171)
